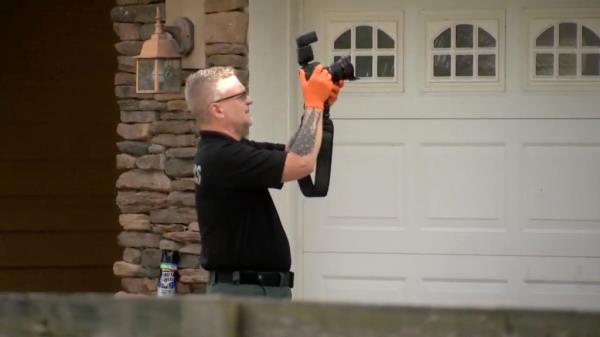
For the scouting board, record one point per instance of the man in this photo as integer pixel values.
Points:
(244, 245)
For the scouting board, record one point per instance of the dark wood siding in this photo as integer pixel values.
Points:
(58, 114)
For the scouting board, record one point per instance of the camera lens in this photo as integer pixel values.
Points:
(342, 69)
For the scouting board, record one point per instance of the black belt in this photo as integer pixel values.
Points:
(263, 278)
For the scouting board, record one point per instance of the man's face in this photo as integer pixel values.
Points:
(235, 104)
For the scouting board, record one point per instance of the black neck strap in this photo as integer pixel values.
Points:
(323, 171)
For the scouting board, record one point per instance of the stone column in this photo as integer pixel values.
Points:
(155, 191)
(225, 35)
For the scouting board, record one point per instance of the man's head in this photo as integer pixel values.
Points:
(219, 101)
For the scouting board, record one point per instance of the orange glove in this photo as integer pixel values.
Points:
(335, 90)
(317, 89)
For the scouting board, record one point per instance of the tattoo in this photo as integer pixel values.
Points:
(303, 141)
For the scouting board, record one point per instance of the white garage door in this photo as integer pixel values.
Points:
(467, 159)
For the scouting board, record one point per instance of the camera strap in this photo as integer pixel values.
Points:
(323, 170)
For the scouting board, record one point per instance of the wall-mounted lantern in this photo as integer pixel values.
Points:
(158, 67)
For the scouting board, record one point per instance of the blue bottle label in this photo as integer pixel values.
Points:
(167, 280)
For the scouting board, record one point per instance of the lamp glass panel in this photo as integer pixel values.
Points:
(145, 76)
(169, 75)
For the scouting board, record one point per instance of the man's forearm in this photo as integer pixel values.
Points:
(307, 140)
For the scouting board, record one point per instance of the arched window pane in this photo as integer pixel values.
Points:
(343, 41)
(546, 39)
(384, 40)
(464, 65)
(464, 36)
(590, 64)
(485, 39)
(385, 66)
(567, 64)
(544, 64)
(364, 37)
(364, 66)
(589, 38)
(443, 40)
(486, 65)
(567, 35)
(441, 65)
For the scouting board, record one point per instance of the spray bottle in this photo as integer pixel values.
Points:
(167, 282)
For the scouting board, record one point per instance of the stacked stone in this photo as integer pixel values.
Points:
(155, 189)
(225, 35)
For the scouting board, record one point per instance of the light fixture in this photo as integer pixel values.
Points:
(158, 66)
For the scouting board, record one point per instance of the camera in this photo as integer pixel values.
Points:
(342, 69)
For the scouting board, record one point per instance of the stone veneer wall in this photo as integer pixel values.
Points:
(156, 189)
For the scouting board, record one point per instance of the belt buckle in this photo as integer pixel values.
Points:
(236, 277)
(269, 279)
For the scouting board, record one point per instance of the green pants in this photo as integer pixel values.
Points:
(249, 290)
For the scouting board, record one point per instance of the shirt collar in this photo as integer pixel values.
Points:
(216, 134)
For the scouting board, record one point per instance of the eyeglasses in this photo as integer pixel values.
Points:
(243, 95)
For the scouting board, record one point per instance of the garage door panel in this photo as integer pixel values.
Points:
(453, 280)
(445, 291)
(562, 187)
(539, 288)
(384, 240)
(367, 186)
(339, 277)
(380, 240)
(381, 290)
(464, 186)
(460, 187)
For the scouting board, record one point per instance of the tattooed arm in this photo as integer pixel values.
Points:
(304, 146)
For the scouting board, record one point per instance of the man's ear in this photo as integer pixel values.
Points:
(215, 111)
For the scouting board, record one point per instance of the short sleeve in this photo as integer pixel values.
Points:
(241, 165)
(265, 145)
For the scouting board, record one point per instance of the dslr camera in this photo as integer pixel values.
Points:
(342, 69)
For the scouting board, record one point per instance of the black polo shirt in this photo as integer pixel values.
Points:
(239, 225)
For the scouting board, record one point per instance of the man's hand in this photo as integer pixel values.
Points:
(317, 89)
(335, 90)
